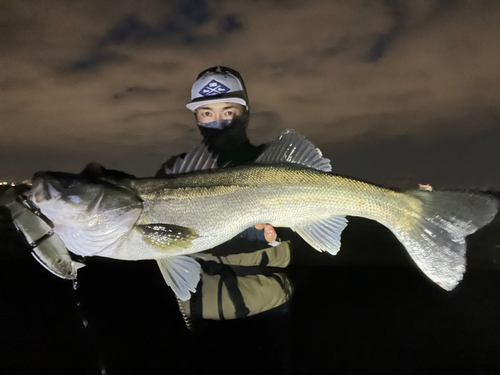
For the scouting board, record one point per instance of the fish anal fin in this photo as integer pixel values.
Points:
(167, 236)
(181, 273)
(291, 147)
(323, 235)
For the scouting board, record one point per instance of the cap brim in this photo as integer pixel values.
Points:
(193, 105)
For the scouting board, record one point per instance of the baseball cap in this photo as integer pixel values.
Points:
(218, 84)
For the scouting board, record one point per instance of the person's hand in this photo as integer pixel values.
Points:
(269, 232)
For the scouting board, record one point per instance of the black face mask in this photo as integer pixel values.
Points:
(227, 138)
(221, 124)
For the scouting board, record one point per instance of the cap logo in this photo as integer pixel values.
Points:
(213, 88)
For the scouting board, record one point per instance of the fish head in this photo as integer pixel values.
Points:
(91, 212)
(71, 195)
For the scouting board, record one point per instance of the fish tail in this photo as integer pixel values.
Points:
(436, 237)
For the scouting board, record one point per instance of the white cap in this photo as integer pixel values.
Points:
(217, 87)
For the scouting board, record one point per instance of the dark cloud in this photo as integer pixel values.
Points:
(196, 11)
(135, 91)
(398, 12)
(230, 23)
(179, 23)
(131, 30)
(97, 57)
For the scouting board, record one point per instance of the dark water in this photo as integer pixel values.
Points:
(366, 311)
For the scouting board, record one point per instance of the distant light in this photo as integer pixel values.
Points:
(12, 184)
(426, 187)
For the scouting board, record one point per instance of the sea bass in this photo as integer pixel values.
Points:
(290, 185)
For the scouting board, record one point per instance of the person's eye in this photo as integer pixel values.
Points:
(229, 113)
(206, 114)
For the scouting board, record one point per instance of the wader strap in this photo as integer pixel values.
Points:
(219, 299)
(265, 260)
(197, 302)
(231, 281)
(228, 277)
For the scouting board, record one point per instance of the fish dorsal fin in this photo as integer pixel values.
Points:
(199, 158)
(323, 235)
(291, 147)
(181, 273)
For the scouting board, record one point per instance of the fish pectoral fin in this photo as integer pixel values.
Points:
(323, 235)
(167, 236)
(291, 147)
(181, 273)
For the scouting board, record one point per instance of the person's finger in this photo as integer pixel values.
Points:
(269, 233)
(260, 226)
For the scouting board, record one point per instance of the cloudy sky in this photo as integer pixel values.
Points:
(390, 90)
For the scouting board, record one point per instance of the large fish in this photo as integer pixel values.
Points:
(289, 185)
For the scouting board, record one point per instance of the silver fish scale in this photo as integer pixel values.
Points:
(219, 205)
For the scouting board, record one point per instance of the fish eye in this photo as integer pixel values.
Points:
(67, 183)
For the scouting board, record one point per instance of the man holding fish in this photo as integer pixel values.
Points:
(219, 101)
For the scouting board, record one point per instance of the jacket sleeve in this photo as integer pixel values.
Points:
(252, 234)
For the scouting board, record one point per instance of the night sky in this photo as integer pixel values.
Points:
(391, 91)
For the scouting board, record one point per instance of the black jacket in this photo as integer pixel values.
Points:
(229, 145)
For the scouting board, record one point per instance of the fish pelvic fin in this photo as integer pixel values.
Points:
(436, 240)
(291, 147)
(323, 235)
(181, 273)
(167, 236)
